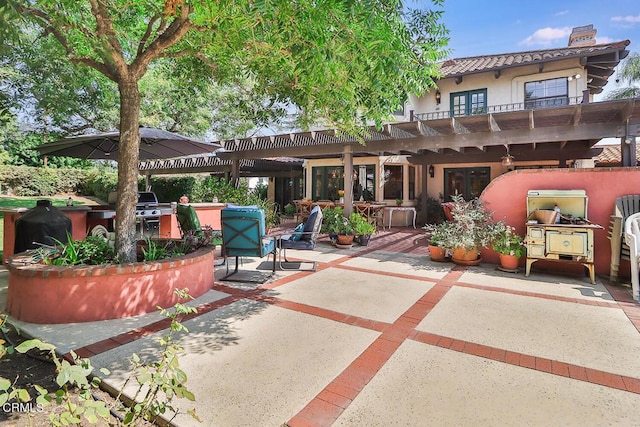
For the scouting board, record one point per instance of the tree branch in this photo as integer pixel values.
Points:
(174, 33)
(147, 34)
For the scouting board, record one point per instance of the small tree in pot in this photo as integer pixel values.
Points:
(471, 230)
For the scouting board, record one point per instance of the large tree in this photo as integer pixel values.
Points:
(348, 62)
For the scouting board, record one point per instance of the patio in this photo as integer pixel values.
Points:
(381, 335)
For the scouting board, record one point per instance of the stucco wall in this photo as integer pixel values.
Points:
(508, 88)
(506, 196)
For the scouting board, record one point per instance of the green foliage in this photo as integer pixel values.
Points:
(435, 213)
(98, 183)
(92, 250)
(334, 222)
(289, 209)
(220, 188)
(333, 59)
(159, 383)
(331, 219)
(169, 189)
(28, 181)
(154, 252)
(8, 389)
(361, 226)
(472, 226)
(505, 241)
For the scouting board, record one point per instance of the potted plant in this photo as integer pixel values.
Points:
(509, 245)
(439, 239)
(399, 202)
(471, 230)
(330, 219)
(362, 228)
(345, 233)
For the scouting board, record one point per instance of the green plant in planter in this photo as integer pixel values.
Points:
(472, 226)
(399, 202)
(331, 219)
(289, 209)
(506, 242)
(92, 250)
(361, 226)
(440, 234)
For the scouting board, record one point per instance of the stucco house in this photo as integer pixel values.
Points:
(490, 114)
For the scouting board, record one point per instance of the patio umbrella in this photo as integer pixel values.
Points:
(154, 144)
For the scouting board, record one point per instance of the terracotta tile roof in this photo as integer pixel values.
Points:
(478, 64)
(611, 154)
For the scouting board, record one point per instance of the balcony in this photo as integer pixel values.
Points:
(538, 104)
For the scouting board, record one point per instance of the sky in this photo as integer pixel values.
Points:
(480, 27)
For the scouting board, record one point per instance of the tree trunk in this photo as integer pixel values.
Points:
(128, 155)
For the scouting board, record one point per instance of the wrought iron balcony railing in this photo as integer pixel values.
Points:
(519, 106)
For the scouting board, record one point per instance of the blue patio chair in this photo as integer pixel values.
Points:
(243, 234)
(304, 238)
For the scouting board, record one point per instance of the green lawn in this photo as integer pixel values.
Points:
(25, 202)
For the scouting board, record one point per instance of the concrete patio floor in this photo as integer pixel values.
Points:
(381, 336)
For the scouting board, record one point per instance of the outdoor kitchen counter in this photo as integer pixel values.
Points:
(77, 215)
(208, 214)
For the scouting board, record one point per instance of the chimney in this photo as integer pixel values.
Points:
(582, 36)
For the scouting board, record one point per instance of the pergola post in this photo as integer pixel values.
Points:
(425, 195)
(347, 155)
(235, 172)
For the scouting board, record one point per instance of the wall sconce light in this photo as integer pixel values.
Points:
(438, 97)
(507, 159)
(575, 76)
(432, 171)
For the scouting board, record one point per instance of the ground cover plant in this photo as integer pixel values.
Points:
(40, 388)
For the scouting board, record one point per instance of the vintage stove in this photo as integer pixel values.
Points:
(570, 240)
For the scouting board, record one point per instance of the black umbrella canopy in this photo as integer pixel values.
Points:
(154, 144)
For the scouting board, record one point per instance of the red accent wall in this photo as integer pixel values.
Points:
(506, 196)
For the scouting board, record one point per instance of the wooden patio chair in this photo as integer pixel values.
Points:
(625, 206)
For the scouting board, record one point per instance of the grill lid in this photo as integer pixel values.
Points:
(145, 198)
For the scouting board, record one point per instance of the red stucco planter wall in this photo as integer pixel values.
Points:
(506, 196)
(39, 293)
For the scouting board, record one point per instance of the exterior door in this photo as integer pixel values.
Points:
(468, 182)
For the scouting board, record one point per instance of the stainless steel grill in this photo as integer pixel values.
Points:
(148, 213)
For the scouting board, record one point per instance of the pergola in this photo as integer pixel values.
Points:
(556, 133)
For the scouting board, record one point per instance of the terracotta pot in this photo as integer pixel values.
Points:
(345, 240)
(509, 262)
(463, 254)
(437, 253)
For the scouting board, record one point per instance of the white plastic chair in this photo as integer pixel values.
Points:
(632, 238)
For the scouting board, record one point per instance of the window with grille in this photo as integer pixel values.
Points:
(546, 93)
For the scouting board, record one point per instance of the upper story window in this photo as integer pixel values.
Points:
(546, 93)
(469, 102)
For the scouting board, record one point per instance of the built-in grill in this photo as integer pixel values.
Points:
(148, 213)
(558, 228)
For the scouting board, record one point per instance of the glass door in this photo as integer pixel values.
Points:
(468, 182)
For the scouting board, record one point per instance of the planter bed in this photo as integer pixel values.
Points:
(41, 293)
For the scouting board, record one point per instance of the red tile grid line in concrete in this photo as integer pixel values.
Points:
(325, 408)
